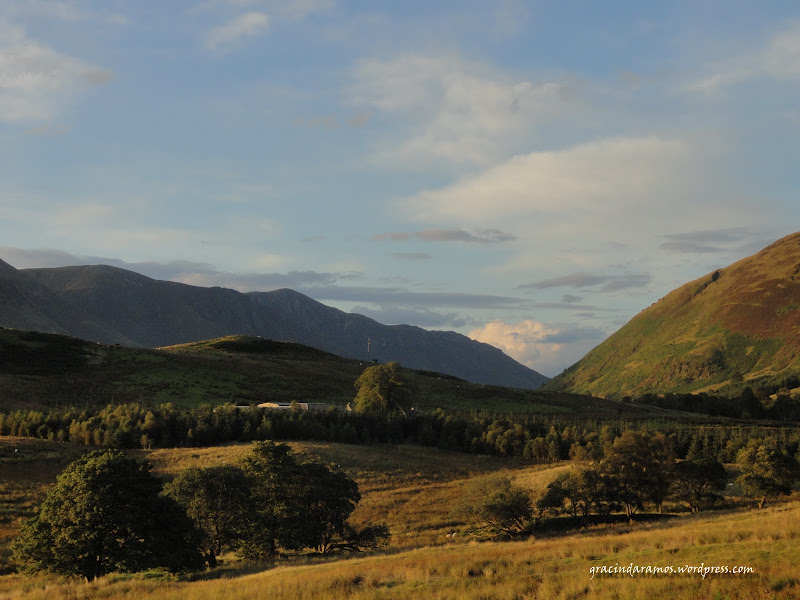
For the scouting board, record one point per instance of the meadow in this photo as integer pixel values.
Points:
(414, 490)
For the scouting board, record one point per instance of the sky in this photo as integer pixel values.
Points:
(531, 174)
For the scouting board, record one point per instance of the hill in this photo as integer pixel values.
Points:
(111, 305)
(736, 327)
(40, 370)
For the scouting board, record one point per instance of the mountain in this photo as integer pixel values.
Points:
(736, 327)
(112, 305)
(25, 304)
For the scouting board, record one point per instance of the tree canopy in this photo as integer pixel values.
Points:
(105, 514)
(217, 500)
(294, 505)
(638, 466)
(696, 480)
(767, 471)
(381, 388)
(499, 505)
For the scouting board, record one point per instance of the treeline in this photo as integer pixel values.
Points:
(535, 437)
(108, 513)
(750, 404)
(638, 470)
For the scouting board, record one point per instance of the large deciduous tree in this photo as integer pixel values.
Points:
(695, 481)
(381, 389)
(328, 499)
(295, 506)
(217, 500)
(577, 493)
(105, 514)
(275, 499)
(639, 467)
(499, 505)
(767, 471)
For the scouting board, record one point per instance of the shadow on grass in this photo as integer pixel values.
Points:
(239, 568)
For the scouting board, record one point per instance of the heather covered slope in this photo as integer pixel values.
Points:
(736, 327)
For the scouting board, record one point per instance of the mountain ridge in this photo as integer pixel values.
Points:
(112, 305)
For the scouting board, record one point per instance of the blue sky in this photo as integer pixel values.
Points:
(531, 174)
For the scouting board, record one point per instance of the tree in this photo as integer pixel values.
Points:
(638, 466)
(695, 481)
(275, 500)
(105, 514)
(381, 389)
(767, 471)
(499, 505)
(328, 499)
(576, 493)
(216, 499)
(296, 506)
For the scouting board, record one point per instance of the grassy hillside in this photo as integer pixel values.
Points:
(40, 370)
(734, 327)
(413, 489)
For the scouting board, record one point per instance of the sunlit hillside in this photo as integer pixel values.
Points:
(735, 327)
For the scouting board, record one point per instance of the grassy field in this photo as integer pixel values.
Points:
(414, 490)
(553, 569)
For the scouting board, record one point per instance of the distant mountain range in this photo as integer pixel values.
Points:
(112, 305)
(736, 327)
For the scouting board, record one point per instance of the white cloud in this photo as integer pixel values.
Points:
(36, 82)
(455, 111)
(779, 59)
(291, 9)
(581, 209)
(245, 25)
(605, 178)
(543, 347)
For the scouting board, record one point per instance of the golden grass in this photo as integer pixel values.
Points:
(413, 489)
(557, 568)
(408, 487)
(380, 466)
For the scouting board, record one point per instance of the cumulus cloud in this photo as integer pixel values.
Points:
(584, 207)
(543, 347)
(453, 110)
(36, 82)
(618, 174)
(249, 24)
